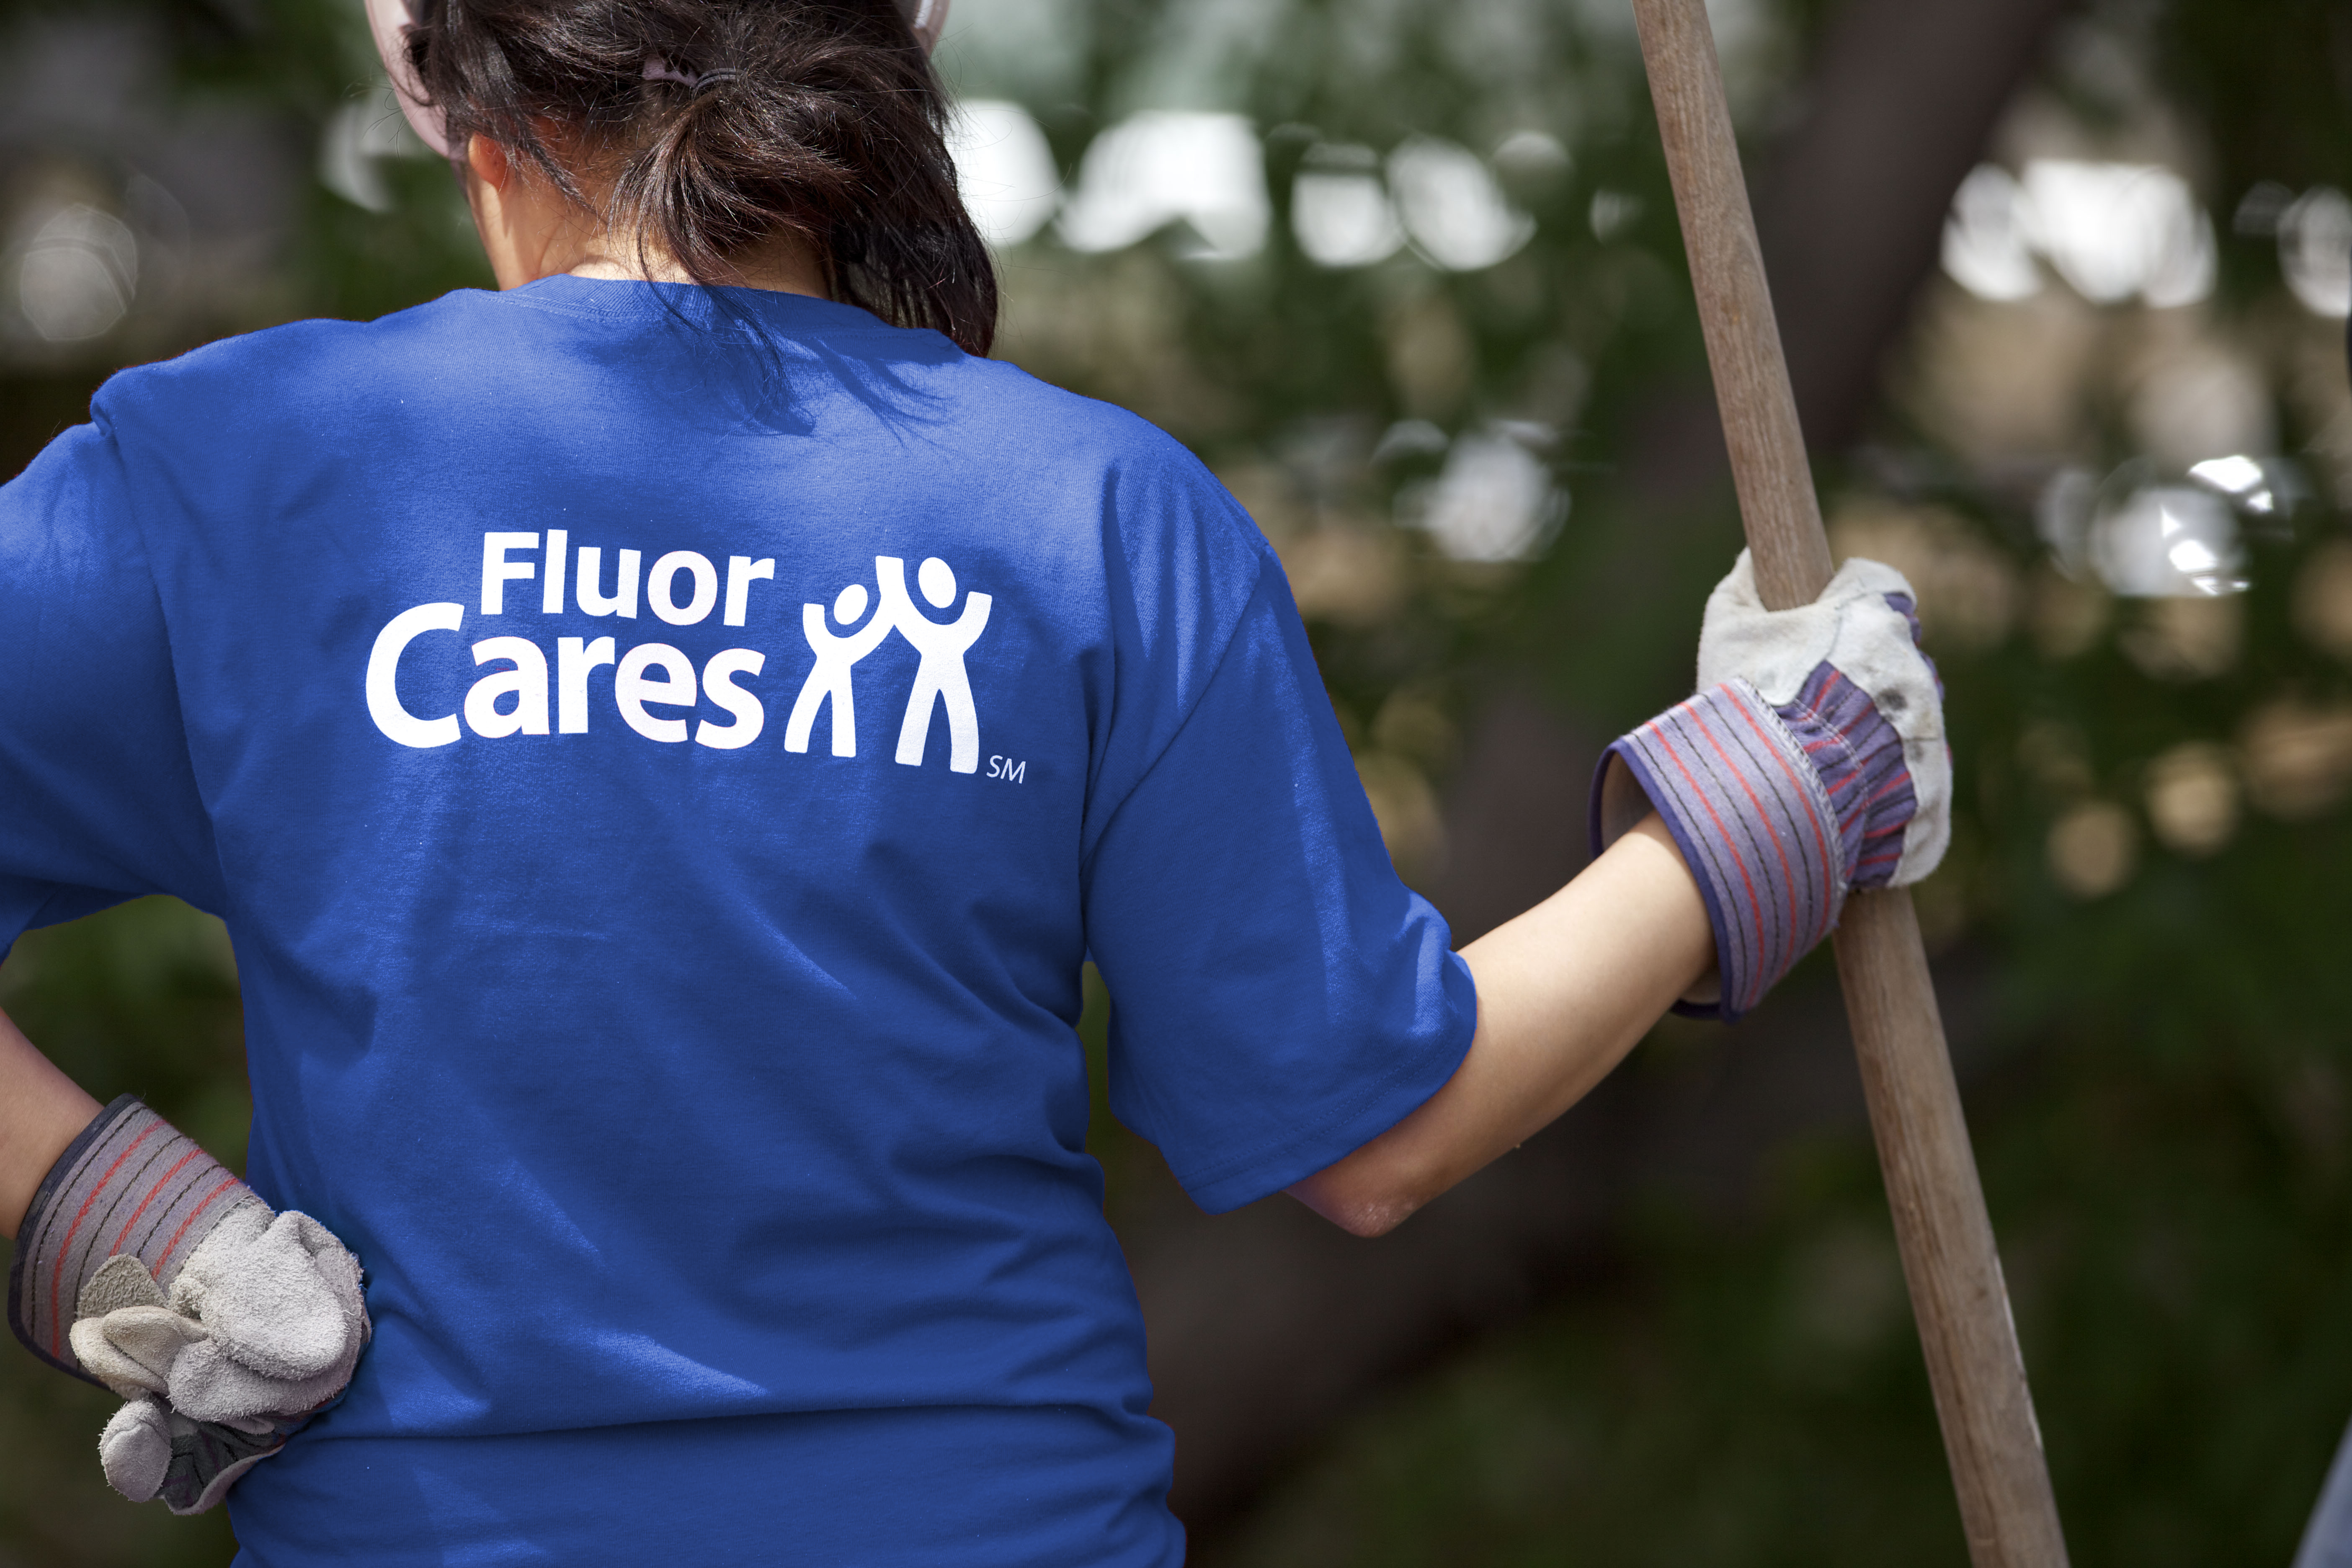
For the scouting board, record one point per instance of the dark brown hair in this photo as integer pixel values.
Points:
(816, 118)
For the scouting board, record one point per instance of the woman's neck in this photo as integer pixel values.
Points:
(785, 264)
(531, 230)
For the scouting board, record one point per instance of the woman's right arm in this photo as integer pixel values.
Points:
(41, 1110)
(1758, 812)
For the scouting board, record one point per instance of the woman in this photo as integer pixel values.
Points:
(665, 737)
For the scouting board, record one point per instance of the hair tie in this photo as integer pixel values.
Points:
(659, 69)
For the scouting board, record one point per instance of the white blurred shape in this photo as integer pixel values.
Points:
(2063, 514)
(1985, 246)
(78, 274)
(358, 134)
(2187, 260)
(1409, 438)
(1612, 213)
(2264, 485)
(2315, 237)
(1453, 207)
(2113, 230)
(2165, 541)
(2192, 556)
(1160, 166)
(1004, 170)
(1341, 211)
(1492, 501)
(1531, 152)
(2236, 476)
(1344, 220)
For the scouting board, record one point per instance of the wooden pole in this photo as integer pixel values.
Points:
(1991, 1435)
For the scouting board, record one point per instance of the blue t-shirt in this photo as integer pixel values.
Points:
(664, 759)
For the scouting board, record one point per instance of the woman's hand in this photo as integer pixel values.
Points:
(143, 1265)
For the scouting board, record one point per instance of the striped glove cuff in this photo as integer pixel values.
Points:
(1776, 811)
(130, 1184)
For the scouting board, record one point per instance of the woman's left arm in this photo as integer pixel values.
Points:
(1564, 992)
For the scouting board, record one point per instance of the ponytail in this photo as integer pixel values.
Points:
(716, 125)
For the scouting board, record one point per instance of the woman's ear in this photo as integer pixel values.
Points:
(505, 216)
(486, 160)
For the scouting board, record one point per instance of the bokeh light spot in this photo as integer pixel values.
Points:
(2298, 757)
(78, 275)
(1164, 166)
(2111, 230)
(1340, 210)
(1004, 170)
(2192, 798)
(1456, 212)
(2092, 849)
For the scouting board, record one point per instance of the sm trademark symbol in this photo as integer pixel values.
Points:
(1008, 769)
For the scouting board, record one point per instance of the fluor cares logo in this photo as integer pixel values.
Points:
(516, 700)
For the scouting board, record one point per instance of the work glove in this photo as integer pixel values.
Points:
(146, 1267)
(151, 1451)
(1811, 762)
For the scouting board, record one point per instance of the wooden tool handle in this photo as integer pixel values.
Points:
(1949, 1260)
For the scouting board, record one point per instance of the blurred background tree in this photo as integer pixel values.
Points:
(2065, 289)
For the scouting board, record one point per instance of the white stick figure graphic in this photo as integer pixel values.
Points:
(940, 677)
(834, 656)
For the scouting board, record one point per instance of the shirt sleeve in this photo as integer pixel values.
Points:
(1279, 997)
(97, 798)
